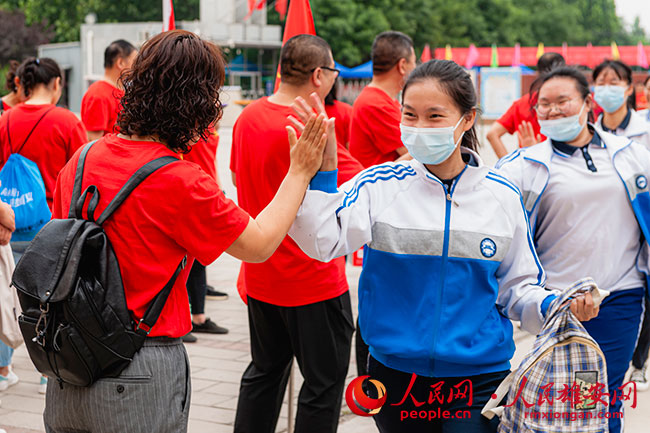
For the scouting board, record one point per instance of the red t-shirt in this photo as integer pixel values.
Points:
(3, 106)
(100, 107)
(343, 113)
(204, 153)
(260, 161)
(177, 210)
(374, 129)
(51, 145)
(521, 110)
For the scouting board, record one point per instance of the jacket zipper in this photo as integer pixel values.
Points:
(443, 272)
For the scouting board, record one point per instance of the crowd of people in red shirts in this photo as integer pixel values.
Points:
(297, 306)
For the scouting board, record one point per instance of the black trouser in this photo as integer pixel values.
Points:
(643, 344)
(412, 418)
(319, 335)
(197, 286)
(361, 352)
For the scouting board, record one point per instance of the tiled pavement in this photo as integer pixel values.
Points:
(217, 362)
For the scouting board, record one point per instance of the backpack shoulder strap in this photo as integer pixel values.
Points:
(30, 132)
(78, 178)
(155, 308)
(135, 180)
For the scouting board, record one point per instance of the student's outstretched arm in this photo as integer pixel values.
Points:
(263, 234)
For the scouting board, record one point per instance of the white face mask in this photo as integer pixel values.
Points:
(611, 98)
(430, 145)
(564, 128)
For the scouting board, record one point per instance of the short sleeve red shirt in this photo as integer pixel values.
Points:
(374, 128)
(178, 210)
(53, 142)
(204, 153)
(260, 161)
(100, 107)
(521, 110)
(342, 112)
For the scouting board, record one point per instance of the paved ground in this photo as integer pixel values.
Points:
(218, 362)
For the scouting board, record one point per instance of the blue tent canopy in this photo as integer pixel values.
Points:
(239, 65)
(361, 71)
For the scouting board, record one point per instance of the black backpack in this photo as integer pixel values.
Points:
(75, 321)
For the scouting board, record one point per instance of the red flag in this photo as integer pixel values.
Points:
(472, 56)
(252, 5)
(426, 54)
(299, 22)
(168, 15)
(641, 58)
(516, 57)
(281, 7)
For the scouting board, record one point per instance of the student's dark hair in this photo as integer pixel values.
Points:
(622, 71)
(35, 71)
(645, 82)
(119, 49)
(300, 55)
(456, 83)
(581, 83)
(548, 61)
(11, 74)
(172, 90)
(389, 48)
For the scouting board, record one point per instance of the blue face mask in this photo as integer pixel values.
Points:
(430, 145)
(563, 129)
(611, 98)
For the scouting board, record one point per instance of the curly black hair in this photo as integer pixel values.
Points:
(172, 90)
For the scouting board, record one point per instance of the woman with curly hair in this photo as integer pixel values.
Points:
(171, 99)
(16, 94)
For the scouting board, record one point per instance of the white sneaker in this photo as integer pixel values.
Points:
(639, 377)
(9, 380)
(42, 387)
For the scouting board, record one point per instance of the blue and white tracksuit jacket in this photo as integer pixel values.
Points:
(528, 169)
(443, 271)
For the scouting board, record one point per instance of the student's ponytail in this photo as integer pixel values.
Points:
(35, 71)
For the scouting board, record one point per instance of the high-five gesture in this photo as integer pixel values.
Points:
(304, 110)
(307, 152)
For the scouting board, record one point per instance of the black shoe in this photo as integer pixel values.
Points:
(189, 338)
(215, 294)
(209, 327)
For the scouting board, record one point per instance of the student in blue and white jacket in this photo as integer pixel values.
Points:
(448, 257)
(586, 195)
(614, 92)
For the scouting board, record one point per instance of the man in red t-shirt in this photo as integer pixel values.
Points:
(101, 102)
(375, 136)
(521, 117)
(297, 306)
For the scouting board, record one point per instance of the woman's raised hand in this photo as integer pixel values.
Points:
(307, 152)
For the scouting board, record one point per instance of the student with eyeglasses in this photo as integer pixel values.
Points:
(587, 198)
